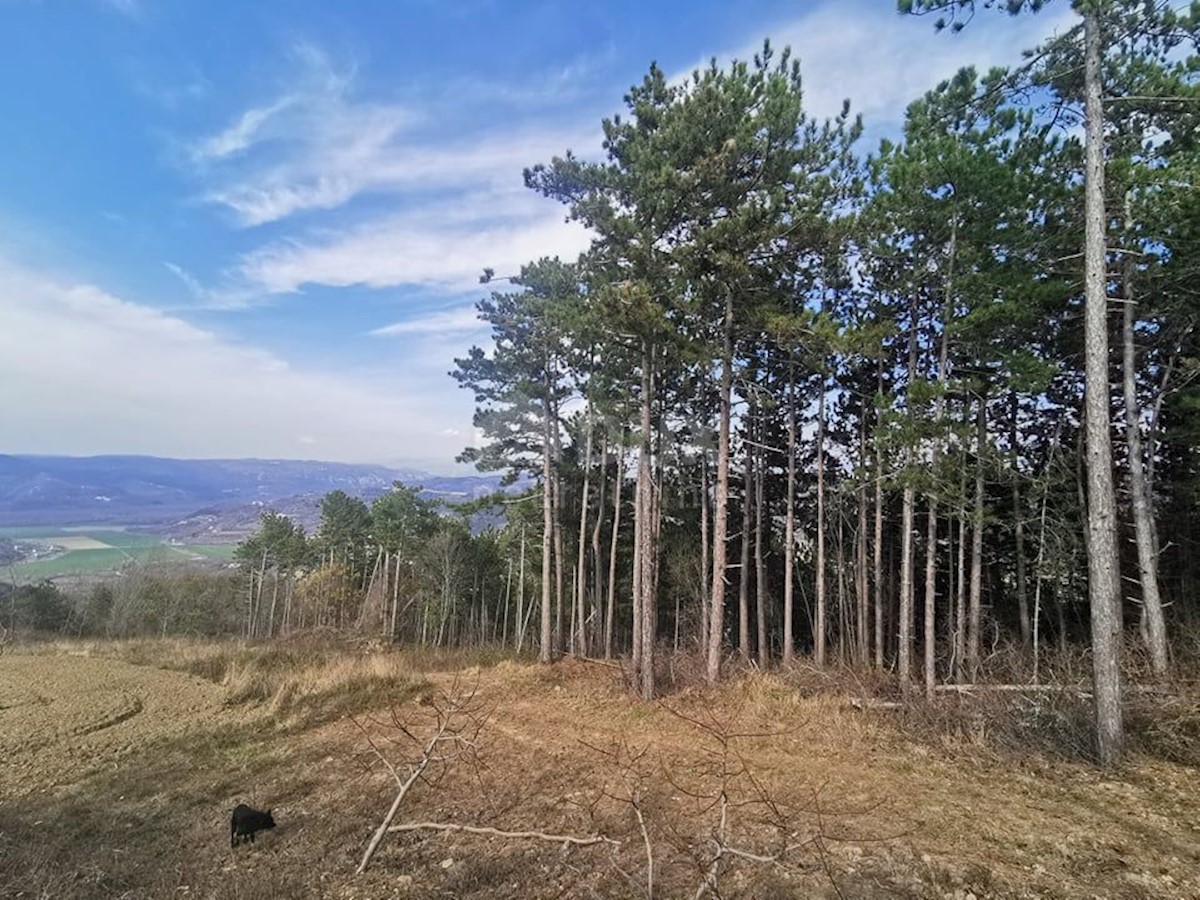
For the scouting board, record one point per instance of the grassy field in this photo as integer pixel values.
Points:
(119, 764)
(93, 550)
(210, 551)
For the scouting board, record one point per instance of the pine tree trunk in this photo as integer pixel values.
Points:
(705, 546)
(1143, 510)
(862, 631)
(559, 634)
(819, 626)
(845, 646)
(1019, 523)
(387, 593)
(395, 596)
(789, 529)
(546, 652)
(760, 570)
(507, 599)
(597, 615)
(721, 504)
(274, 597)
(1103, 578)
(579, 640)
(639, 522)
(975, 614)
(931, 534)
(612, 551)
(256, 612)
(646, 537)
(960, 602)
(519, 624)
(905, 636)
(1037, 593)
(930, 642)
(877, 550)
(744, 570)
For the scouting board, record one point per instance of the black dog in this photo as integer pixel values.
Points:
(245, 821)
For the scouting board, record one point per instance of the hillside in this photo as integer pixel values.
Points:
(120, 779)
(219, 493)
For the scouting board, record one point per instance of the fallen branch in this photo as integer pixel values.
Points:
(518, 835)
(605, 663)
(635, 801)
(1016, 688)
(416, 772)
(870, 703)
(1082, 691)
(449, 730)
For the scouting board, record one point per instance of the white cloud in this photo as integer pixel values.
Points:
(882, 62)
(449, 321)
(320, 144)
(243, 133)
(358, 151)
(82, 371)
(193, 285)
(312, 147)
(423, 247)
(226, 296)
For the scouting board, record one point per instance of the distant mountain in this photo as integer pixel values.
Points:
(149, 490)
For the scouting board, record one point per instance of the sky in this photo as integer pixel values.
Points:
(233, 229)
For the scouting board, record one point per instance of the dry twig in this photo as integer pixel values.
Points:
(496, 832)
(457, 723)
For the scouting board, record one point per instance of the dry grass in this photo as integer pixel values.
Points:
(301, 681)
(933, 802)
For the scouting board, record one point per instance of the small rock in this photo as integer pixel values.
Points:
(447, 862)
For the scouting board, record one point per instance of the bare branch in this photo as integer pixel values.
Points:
(516, 835)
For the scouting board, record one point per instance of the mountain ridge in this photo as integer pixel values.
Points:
(120, 489)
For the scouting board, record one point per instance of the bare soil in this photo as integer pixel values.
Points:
(64, 718)
(117, 780)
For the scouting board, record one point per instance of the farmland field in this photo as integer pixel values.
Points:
(210, 551)
(94, 550)
(117, 779)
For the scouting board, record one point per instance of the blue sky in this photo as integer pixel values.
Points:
(255, 229)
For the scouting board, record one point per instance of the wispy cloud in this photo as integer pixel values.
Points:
(83, 371)
(230, 295)
(443, 249)
(320, 143)
(315, 146)
(193, 285)
(450, 321)
(881, 63)
(243, 133)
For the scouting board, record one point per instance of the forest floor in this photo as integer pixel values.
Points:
(116, 780)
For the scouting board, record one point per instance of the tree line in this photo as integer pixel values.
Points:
(403, 567)
(895, 408)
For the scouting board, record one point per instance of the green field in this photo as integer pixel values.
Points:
(22, 532)
(119, 548)
(210, 551)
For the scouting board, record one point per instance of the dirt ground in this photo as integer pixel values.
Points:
(65, 718)
(117, 780)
